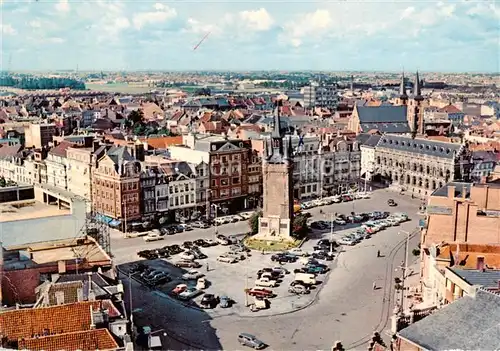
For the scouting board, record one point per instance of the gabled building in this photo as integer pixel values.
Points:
(116, 185)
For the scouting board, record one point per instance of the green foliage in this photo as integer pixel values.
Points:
(136, 116)
(139, 129)
(416, 252)
(300, 228)
(253, 222)
(2, 182)
(203, 92)
(28, 82)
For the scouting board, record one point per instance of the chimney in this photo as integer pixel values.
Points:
(79, 294)
(451, 191)
(95, 145)
(480, 263)
(61, 267)
(59, 297)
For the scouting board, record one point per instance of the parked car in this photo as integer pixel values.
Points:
(237, 255)
(225, 301)
(211, 242)
(272, 275)
(192, 275)
(154, 236)
(222, 239)
(265, 281)
(249, 340)
(322, 255)
(298, 251)
(201, 243)
(187, 264)
(186, 255)
(260, 292)
(299, 289)
(281, 270)
(391, 202)
(283, 257)
(189, 293)
(226, 259)
(186, 227)
(209, 301)
(178, 289)
(347, 241)
(199, 224)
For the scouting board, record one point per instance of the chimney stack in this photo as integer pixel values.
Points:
(480, 264)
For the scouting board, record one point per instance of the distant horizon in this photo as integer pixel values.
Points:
(445, 36)
(83, 71)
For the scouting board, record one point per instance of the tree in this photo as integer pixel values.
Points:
(253, 222)
(300, 228)
(139, 129)
(203, 92)
(136, 116)
(2, 182)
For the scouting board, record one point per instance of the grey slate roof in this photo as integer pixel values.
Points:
(368, 139)
(423, 146)
(117, 153)
(460, 189)
(470, 323)
(385, 127)
(380, 114)
(488, 279)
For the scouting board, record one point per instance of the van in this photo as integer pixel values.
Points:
(306, 278)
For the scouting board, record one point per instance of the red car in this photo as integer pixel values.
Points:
(260, 292)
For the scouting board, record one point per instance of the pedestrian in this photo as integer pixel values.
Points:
(378, 253)
(208, 267)
(374, 286)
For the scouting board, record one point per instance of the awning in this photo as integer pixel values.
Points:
(103, 218)
(114, 223)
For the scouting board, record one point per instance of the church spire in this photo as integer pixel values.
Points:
(417, 94)
(277, 122)
(402, 88)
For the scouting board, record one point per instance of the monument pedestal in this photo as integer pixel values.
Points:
(274, 228)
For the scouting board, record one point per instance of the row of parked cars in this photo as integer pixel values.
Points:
(334, 199)
(373, 226)
(188, 251)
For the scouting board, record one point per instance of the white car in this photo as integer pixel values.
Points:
(298, 251)
(189, 293)
(192, 275)
(186, 256)
(347, 241)
(265, 282)
(226, 259)
(153, 236)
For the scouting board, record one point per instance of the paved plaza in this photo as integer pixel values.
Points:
(343, 307)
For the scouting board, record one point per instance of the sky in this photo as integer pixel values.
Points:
(335, 35)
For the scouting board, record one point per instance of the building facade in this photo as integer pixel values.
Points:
(420, 166)
(116, 186)
(321, 96)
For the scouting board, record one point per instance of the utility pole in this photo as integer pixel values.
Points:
(331, 233)
(405, 269)
(125, 214)
(246, 285)
(130, 294)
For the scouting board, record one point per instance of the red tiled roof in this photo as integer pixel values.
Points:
(90, 340)
(162, 142)
(55, 319)
(450, 109)
(9, 150)
(60, 150)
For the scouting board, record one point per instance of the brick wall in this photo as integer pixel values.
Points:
(403, 345)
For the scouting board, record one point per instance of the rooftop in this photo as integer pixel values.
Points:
(90, 340)
(488, 278)
(470, 323)
(422, 146)
(29, 210)
(461, 190)
(85, 249)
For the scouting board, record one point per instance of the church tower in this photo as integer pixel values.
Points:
(277, 169)
(403, 97)
(415, 109)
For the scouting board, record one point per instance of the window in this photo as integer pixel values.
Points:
(235, 191)
(200, 172)
(186, 199)
(186, 187)
(236, 180)
(224, 182)
(224, 159)
(214, 182)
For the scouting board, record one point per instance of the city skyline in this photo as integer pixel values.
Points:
(446, 36)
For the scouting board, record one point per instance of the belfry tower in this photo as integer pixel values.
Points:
(415, 109)
(277, 168)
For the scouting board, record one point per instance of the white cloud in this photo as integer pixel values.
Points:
(7, 29)
(62, 6)
(313, 24)
(162, 14)
(35, 24)
(55, 40)
(257, 20)
(197, 27)
(484, 9)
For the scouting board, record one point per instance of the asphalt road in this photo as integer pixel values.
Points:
(347, 308)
